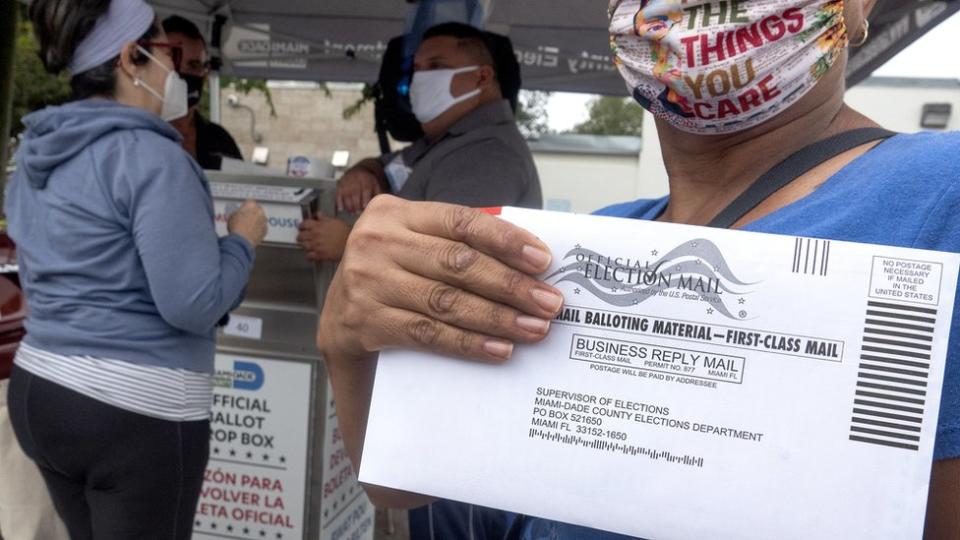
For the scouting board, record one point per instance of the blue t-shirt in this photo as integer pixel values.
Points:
(904, 192)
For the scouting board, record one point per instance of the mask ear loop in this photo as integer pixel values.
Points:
(154, 58)
(865, 35)
(137, 81)
(468, 69)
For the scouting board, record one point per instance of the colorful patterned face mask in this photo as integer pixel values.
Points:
(723, 66)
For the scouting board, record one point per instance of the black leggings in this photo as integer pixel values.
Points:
(112, 474)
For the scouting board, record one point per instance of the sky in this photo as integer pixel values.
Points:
(924, 58)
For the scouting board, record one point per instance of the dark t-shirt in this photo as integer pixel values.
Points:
(213, 144)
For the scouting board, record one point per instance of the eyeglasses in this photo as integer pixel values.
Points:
(176, 53)
(196, 67)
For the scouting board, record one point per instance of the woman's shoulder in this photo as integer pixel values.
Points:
(908, 174)
(903, 192)
(926, 141)
(925, 159)
(115, 127)
(148, 144)
(638, 209)
(141, 154)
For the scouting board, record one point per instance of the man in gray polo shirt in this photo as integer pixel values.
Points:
(472, 152)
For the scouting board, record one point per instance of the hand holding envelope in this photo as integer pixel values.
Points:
(428, 276)
(698, 383)
(378, 271)
(467, 286)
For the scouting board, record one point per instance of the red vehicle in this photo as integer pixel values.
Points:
(13, 306)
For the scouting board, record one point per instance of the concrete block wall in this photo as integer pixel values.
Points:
(308, 122)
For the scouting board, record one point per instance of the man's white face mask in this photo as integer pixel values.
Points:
(174, 96)
(430, 92)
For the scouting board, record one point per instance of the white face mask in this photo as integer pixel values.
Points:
(174, 96)
(430, 92)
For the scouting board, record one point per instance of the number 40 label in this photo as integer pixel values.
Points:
(245, 327)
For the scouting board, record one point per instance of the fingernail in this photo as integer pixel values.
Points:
(500, 349)
(533, 324)
(548, 300)
(536, 256)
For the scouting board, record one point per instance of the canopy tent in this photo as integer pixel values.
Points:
(562, 45)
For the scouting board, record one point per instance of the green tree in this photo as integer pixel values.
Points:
(33, 87)
(532, 116)
(612, 116)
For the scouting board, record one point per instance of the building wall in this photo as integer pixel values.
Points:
(308, 122)
(899, 106)
(652, 180)
(585, 182)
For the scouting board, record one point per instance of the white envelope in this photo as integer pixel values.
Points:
(700, 383)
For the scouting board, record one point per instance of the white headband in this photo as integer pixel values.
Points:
(124, 22)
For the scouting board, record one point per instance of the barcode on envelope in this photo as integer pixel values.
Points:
(890, 397)
(811, 257)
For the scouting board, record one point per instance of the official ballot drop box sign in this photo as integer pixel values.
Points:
(278, 468)
(255, 483)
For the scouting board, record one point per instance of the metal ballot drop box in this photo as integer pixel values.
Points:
(278, 469)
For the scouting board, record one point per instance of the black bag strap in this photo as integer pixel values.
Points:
(792, 168)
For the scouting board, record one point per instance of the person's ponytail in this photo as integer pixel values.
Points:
(60, 26)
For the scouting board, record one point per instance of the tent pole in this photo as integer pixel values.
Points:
(8, 41)
(213, 89)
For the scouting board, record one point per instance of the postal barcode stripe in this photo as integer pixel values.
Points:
(898, 371)
(826, 259)
(884, 443)
(894, 352)
(929, 311)
(811, 256)
(796, 254)
(891, 416)
(891, 380)
(902, 316)
(895, 361)
(891, 397)
(886, 433)
(896, 343)
(885, 332)
(892, 407)
(912, 391)
(881, 423)
(900, 325)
